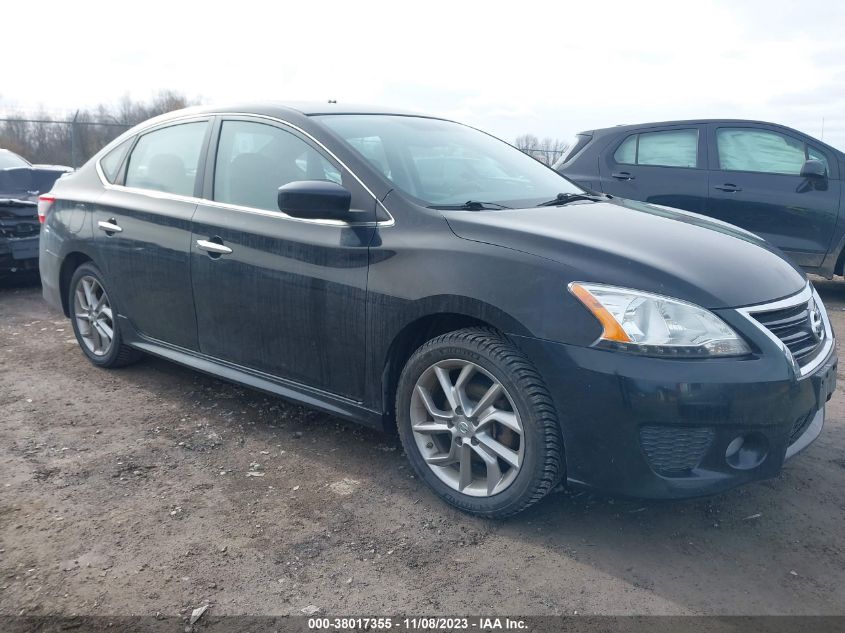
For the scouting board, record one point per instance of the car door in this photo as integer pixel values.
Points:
(142, 227)
(755, 183)
(273, 293)
(659, 165)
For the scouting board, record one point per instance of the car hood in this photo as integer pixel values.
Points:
(642, 246)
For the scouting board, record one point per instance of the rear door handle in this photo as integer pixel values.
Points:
(109, 226)
(622, 175)
(214, 248)
(729, 187)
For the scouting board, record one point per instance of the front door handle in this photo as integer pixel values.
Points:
(729, 187)
(213, 248)
(622, 175)
(109, 226)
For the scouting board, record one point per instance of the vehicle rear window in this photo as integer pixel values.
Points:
(752, 149)
(8, 160)
(667, 148)
(167, 159)
(573, 148)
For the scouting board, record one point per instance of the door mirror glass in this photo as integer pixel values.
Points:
(315, 200)
(813, 169)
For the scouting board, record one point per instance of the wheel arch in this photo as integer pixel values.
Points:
(440, 318)
(70, 263)
(839, 267)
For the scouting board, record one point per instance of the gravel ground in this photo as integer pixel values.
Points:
(154, 489)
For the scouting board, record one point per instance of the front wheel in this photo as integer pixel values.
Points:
(478, 424)
(94, 318)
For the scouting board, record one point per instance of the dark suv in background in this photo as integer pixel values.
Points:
(769, 179)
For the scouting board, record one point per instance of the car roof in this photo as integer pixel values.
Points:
(634, 126)
(625, 126)
(313, 108)
(598, 132)
(294, 112)
(284, 109)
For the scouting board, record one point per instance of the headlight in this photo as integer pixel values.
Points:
(653, 325)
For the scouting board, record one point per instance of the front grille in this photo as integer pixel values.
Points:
(794, 327)
(799, 426)
(673, 450)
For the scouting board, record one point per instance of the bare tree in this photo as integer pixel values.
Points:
(546, 151)
(525, 142)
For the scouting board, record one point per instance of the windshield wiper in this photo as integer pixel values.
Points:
(469, 205)
(565, 198)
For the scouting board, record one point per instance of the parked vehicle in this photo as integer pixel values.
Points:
(20, 184)
(774, 181)
(516, 328)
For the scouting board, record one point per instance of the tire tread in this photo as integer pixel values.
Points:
(543, 410)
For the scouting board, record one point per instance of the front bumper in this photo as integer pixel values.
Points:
(662, 428)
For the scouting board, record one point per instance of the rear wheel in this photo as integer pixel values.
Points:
(94, 319)
(478, 423)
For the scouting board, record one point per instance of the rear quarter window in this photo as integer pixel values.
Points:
(573, 148)
(111, 163)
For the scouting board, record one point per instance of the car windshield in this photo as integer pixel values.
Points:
(441, 163)
(8, 160)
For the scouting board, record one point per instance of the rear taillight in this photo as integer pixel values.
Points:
(44, 203)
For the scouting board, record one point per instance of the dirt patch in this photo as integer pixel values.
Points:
(154, 489)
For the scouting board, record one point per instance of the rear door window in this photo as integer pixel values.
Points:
(167, 159)
(666, 148)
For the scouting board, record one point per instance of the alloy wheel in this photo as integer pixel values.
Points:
(94, 316)
(467, 428)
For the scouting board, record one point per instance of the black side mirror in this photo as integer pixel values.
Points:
(315, 200)
(813, 169)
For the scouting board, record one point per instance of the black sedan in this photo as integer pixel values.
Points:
(398, 269)
(20, 184)
(772, 180)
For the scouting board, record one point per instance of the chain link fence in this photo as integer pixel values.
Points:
(57, 142)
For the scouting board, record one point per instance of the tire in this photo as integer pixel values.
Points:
(93, 317)
(515, 452)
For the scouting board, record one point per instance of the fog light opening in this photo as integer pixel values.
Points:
(734, 447)
(747, 451)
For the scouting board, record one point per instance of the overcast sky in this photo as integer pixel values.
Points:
(551, 68)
